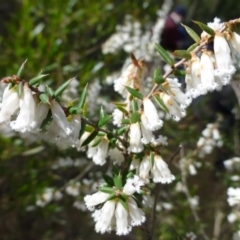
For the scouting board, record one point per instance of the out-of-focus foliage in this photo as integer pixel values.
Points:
(64, 39)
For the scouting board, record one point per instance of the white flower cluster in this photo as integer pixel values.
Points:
(210, 139)
(115, 214)
(47, 196)
(232, 163)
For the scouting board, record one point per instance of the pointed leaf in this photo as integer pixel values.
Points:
(165, 55)
(111, 196)
(44, 98)
(104, 120)
(121, 130)
(47, 120)
(82, 129)
(106, 189)
(102, 113)
(49, 90)
(117, 179)
(152, 159)
(205, 28)
(157, 76)
(122, 109)
(182, 54)
(37, 79)
(134, 106)
(60, 90)
(108, 180)
(82, 98)
(20, 89)
(192, 47)
(126, 121)
(19, 73)
(90, 138)
(160, 103)
(179, 73)
(124, 203)
(135, 117)
(96, 142)
(192, 33)
(134, 93)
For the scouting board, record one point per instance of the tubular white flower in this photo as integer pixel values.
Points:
(75, 126)
(154, 123)
(235, 41)
(233, 196)
(223, 58)
(40, 114)
(25, 120)
(161, 172)
(59, 117)
(173, 107)
(103, 220)
(144, 168)
(117, 117)
(172, 86)
(10, 103)
(136, 213)
(135, 138)
(116, 155)
(102, 148)
(147, 135)
(93, 200)
(132, 185)
(207, 73)
(122, 225)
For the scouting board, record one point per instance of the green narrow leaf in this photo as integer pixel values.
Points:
(19, 72)
(165, 55)
(60, 89)
(102, 113)
(37, 79)
(135, 117)
(124, 203)
(157, 76)
(152, 159)
(82, 129)
(179, 73)
(72, 110)
(106, 189)
(20, 89)
(108, 180)
(205, 28)
(44, 98)
(134, 93)
(192, 47)
(121, 130)
(117, 179)
(90, 138)
(122, 109)
(130, 175)
(134, 105)
(96, 142)
(182, 54)
(192, 33)
(49, 90)
(104, 120)
(160, 103)
(126, 121)
(111, 196)
(82, 99)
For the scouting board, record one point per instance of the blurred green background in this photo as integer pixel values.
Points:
(64, 39)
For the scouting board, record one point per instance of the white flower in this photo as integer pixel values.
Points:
(161, 172)
(136, 213)
(59, 118)
(136, 145)
(104, 216)
(25, 120)
(233, 196)
(172, 86)
(174, 109)
(223, 59)
(235, 41)
(132, 185)
(150, 111)
(147, 135)
(9, 105)
(40, 114)
(45, 198)
(122, 225)
(116, 155)
(100, 156)
(207, 73)
(75, 126)
(144, 168)
(117, 117)
(73, 189)
(93, 200)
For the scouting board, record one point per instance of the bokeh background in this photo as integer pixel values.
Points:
(65, 40)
